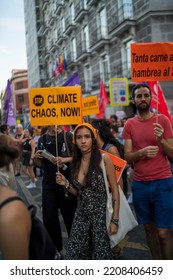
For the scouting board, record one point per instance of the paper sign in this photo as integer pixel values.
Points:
(152, 62)
(119, 91)
(90, 105)
(119, 164)
(56, 106)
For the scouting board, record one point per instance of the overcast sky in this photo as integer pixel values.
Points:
(12, 39)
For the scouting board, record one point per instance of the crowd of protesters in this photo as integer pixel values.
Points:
(69, 159)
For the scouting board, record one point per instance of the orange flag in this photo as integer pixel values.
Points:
(119, 164)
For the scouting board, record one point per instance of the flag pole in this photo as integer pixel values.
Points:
(157, 104)
(56, 143)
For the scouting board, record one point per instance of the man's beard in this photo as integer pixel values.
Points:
(143, 109)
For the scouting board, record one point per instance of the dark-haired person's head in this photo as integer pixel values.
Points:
(5, 129)
(87, 125)
(31, 131)
(113, 119)
(84, 139)
(103, 129)
(114, 128)
(8, 150)
(138, 86)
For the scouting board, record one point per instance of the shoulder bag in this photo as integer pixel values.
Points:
(127, 220)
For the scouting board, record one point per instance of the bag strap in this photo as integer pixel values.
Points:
(10, 199)
(66, 144)
(102, 164)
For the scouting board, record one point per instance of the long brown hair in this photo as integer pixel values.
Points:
(95, 159)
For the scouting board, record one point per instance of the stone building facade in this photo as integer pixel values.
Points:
(93, 37)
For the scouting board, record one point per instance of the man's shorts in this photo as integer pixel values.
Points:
(153, 202)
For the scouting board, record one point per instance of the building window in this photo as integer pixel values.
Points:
(54, 6)
(85, 4)
(65, 53)
(87, 76)
(125, 9)
(104, 68)
(62, 23)
(126, 58)
(20, 98)
(73, 50)
(20, 85)
(55, 34)
(72, 13)
(85, 38)
(102, 24)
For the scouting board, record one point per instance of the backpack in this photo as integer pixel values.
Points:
(41, 246)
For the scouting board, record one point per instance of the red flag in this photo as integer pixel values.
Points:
(60, 65)
(162, 106)
(103, 101)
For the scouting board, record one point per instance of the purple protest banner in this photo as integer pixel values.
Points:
(10, 117)
(73, 80)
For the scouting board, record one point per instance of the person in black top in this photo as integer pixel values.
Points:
(54, 198)
(29, 145)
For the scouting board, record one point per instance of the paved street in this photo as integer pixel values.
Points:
(133, 246)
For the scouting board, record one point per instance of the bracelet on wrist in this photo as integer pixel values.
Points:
(115, 221)
(68, 186)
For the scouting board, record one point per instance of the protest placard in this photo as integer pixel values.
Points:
(152, 62)
(119, 164)
(119, 91)
(90, 105)
(55, 106)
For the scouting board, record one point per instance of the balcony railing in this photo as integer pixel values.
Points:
(88, 85)
(45, 3)
(52, 18)
(92, 2)
(59, 6)
(80, 11)
(60, 36)
(45, 29)
(52, 45)
(125, 12)
(99, 37)
(70, 25)
(122, 70)
(71, 58)
(83, 48)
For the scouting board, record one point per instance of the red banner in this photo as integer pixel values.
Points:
(103, 101)
(158, 100)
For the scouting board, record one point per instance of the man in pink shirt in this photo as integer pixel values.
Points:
(148, 143)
